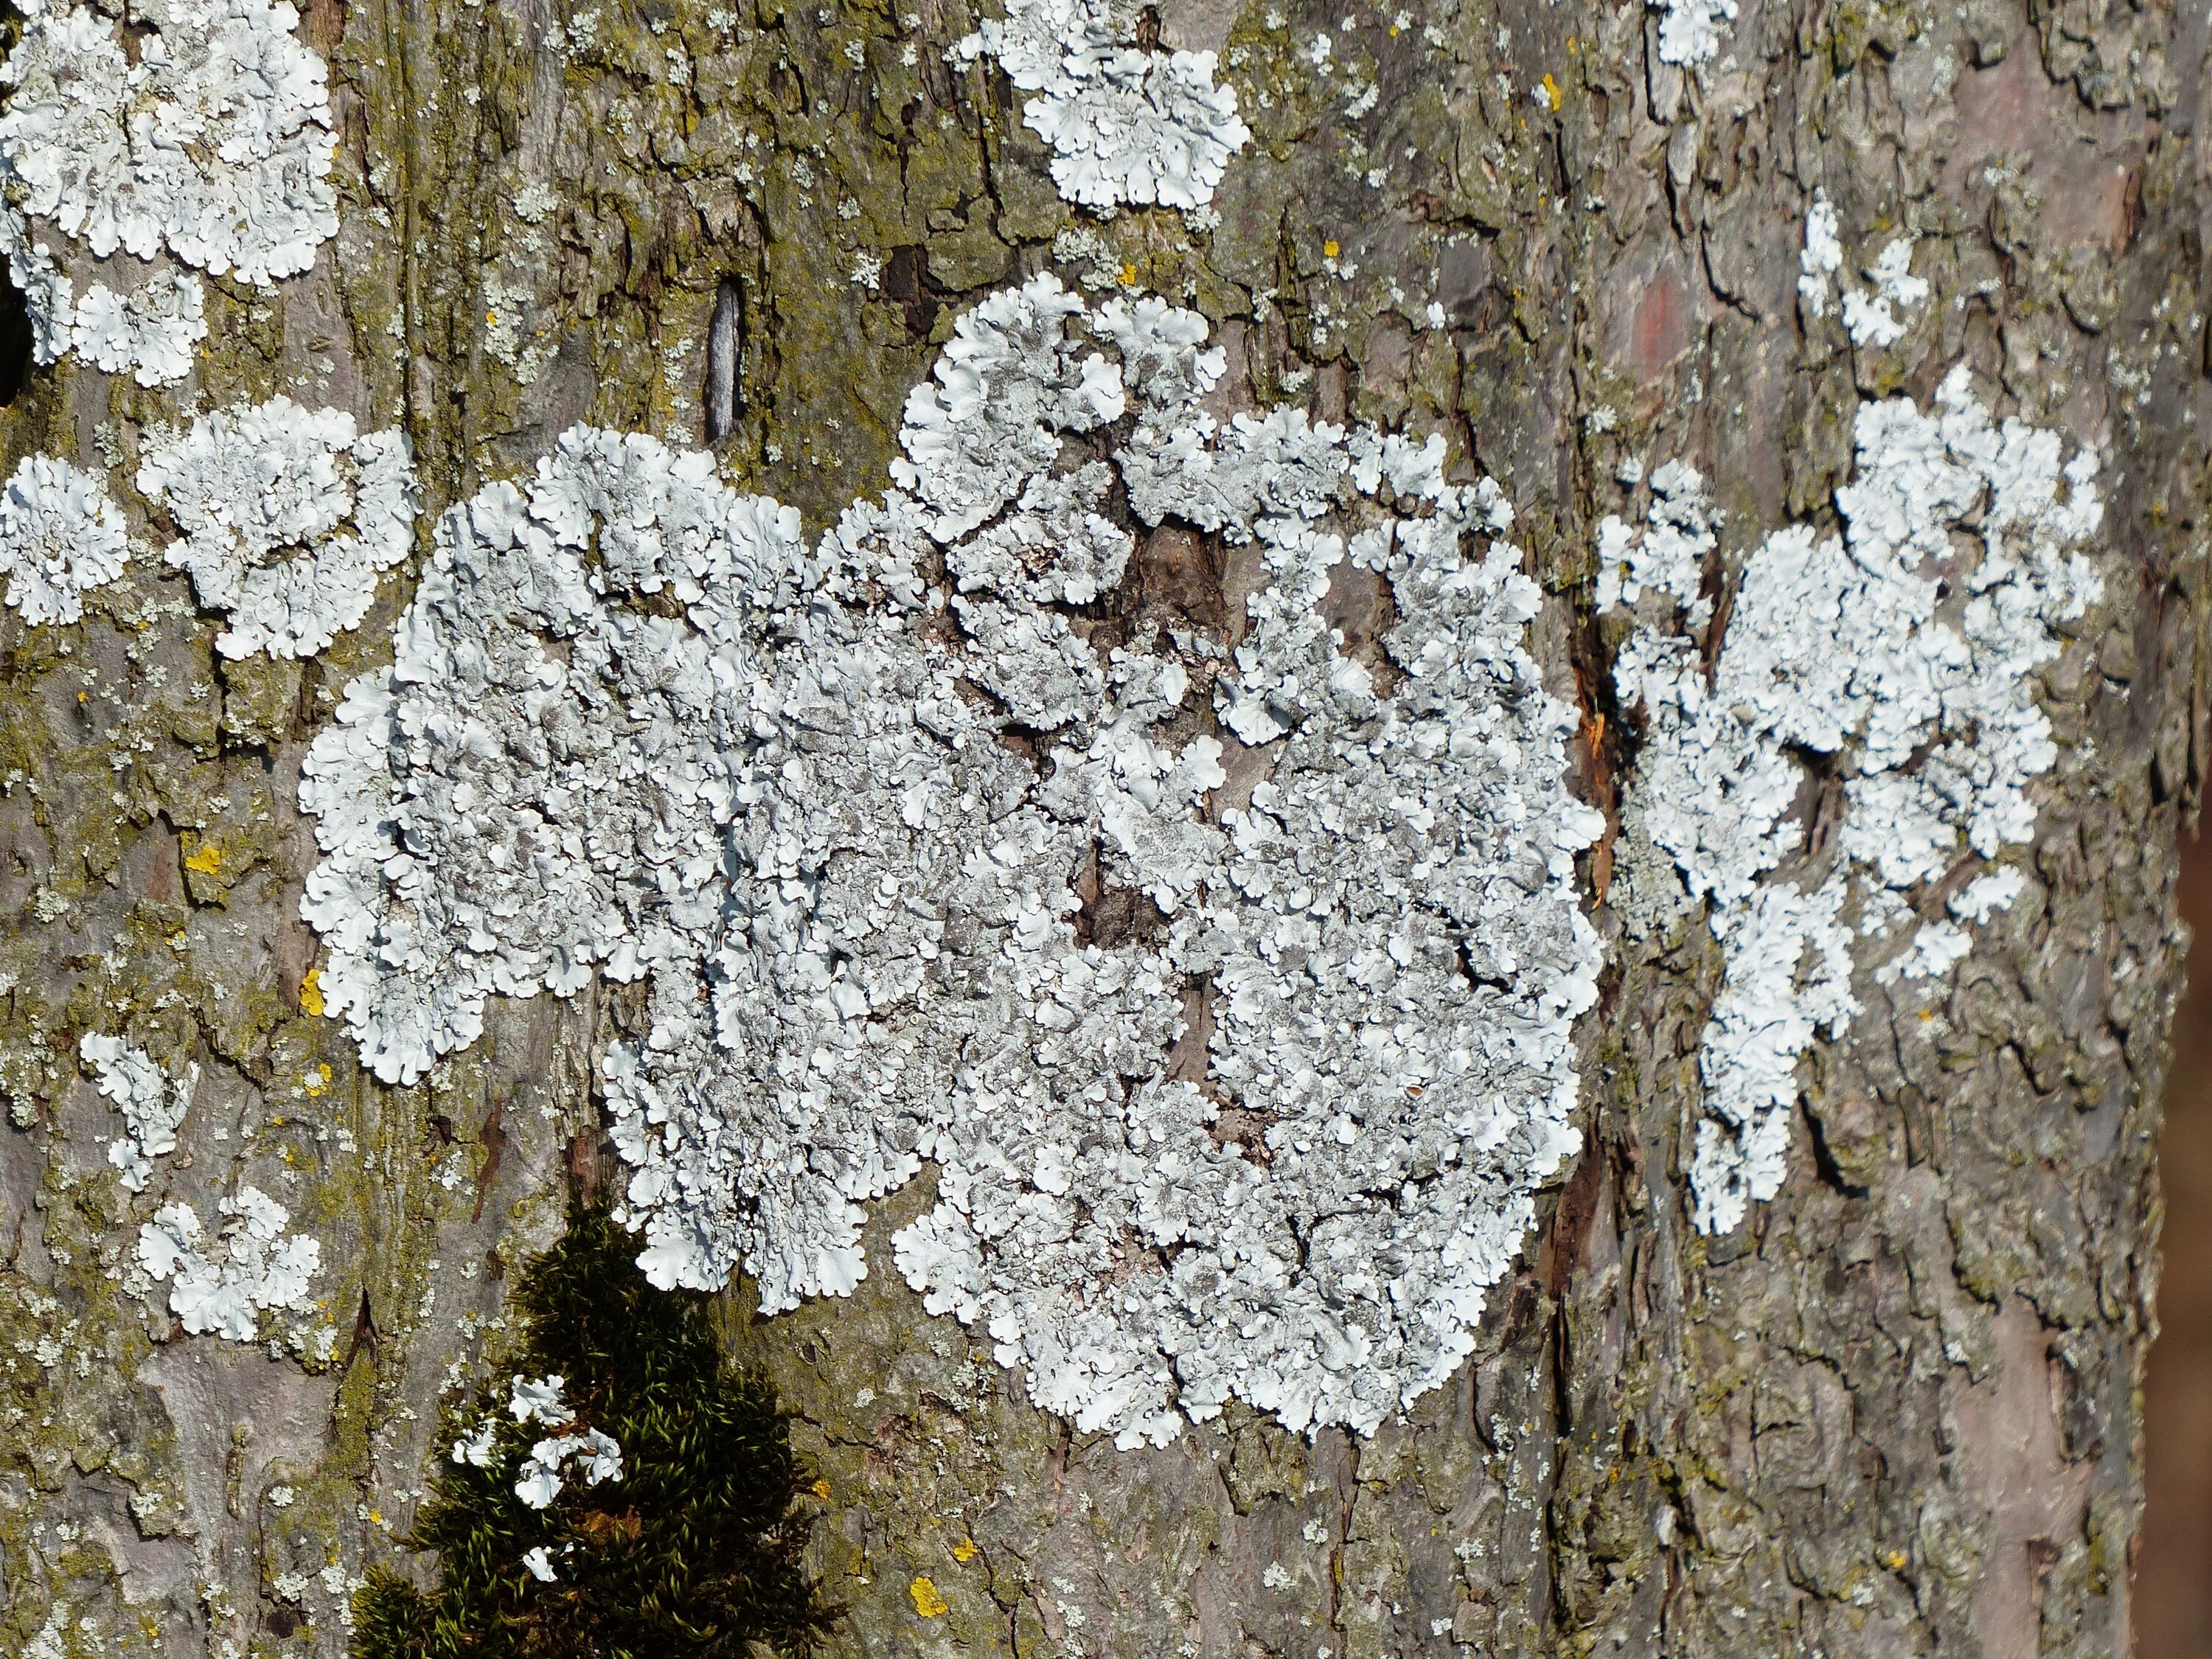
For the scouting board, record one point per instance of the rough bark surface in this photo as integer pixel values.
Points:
(1894, 1415)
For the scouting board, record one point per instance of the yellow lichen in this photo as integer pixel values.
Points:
(1551, 92)
(205, 860)
(822, 1490)
(964, 1551)
(926, 1602)
(311, 1001)
(316, 1081)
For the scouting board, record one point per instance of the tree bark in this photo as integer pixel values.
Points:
(1894, 1413)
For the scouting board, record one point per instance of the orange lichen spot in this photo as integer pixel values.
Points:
(1551, 92)
(1329, 249)
(821, 1490)
(316, 1081)
(1128, 276)
(926, 1602)
(964, 1551)
(204, 860)
(311, 1002)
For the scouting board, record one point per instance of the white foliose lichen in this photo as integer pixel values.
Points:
(1821, 258)
(551, 1459)
(1127, 122)
(206, 141)
(60, 536)
(152, 1102)
(539, 1398)
(478, 1446)
(540, 1477)
(1870, 315)
(1274, 1135)
(1690, 32)
(1901, 654)
(254, 1267)
(289, 515)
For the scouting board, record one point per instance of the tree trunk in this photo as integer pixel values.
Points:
(1892, 1411)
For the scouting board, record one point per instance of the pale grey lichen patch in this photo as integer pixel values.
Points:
(844, 809)
(223, 1285)
(1902, 652)
(147, 333)
(593, 1455)
(1690, 30)
(535, 787)
(1129, 123)
(539, 1475)
(211, 145)
(1870, 314)
(60, 536)
(152, 1102)
(289, 515)
(535, 1400)
(1821, 258)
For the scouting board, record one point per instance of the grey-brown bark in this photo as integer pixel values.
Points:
(1892, 1414)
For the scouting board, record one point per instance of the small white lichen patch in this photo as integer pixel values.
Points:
(1273, 1137)
(288, 518)
(1987, 894)
(539, 1398)
(1821, 258)
(1690, 32)
(147, 333)
(1128, 123)
(206, 139)
(60, 536)
(255, 1267)
(539, 1479)
(545, 1469)
(477, 1448)
(1870, 315)
(1902, 654)
(151, 1101)
(1936, 948)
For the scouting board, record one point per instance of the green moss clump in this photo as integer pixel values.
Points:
(692, 1552)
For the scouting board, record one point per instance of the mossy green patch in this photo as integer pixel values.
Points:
(694, 1550)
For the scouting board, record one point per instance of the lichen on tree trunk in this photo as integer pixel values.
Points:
(1893, 1412)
